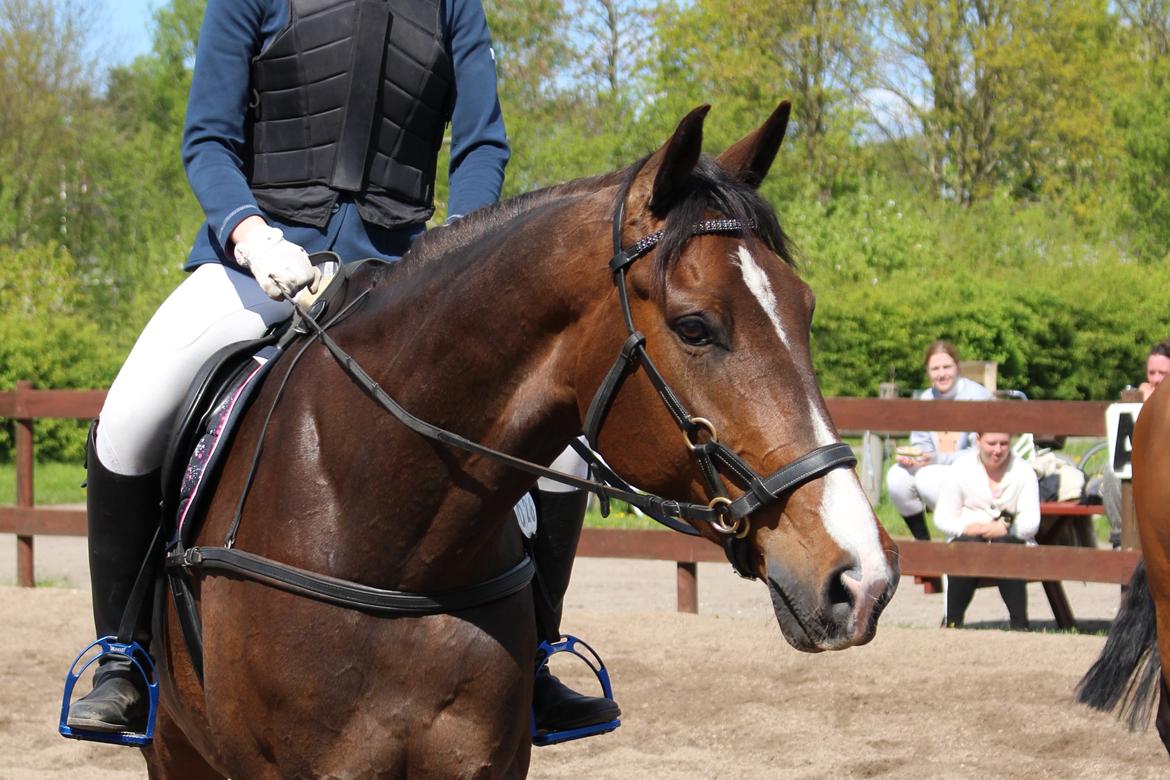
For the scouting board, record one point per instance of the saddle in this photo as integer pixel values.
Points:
(214, 404)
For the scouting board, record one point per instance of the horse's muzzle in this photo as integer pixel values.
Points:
(838, 612)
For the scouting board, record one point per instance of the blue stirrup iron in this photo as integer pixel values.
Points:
(573, 645)
(110, 646)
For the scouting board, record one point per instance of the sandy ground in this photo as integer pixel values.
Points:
(718, 694)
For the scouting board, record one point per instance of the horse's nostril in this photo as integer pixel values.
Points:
(838, 590)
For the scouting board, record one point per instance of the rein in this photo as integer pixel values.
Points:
(726, 516)
(729, 518)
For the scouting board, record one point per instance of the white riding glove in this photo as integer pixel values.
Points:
(281, 267)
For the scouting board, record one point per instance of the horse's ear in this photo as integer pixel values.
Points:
(750, 158)
(671, 165)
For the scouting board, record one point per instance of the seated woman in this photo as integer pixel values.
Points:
(992, 496)
(913, 483)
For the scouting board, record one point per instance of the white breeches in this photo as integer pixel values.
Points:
(915, 490)
(213, 307)
(568, 462)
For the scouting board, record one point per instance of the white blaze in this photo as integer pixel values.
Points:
(845, 510)
(757, 282)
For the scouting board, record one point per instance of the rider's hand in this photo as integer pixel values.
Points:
(281, 267)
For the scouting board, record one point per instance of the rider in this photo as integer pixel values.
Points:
(310, 126)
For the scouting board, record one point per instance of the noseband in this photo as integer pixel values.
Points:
(730, 517)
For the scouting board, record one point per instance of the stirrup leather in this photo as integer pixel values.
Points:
(573, 645)
(142, 662)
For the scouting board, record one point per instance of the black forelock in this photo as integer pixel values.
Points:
(712, 189)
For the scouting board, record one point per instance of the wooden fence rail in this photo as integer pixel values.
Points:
(922, 559)
(24, 406)
(928, 559)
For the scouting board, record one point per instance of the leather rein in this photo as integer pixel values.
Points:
(728, 517)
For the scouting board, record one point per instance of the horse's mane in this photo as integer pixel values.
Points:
(709, 188)
(467, 230)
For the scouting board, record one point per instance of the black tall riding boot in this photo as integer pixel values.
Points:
(123, 515)
(557, 707)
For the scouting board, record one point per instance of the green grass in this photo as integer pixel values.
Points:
(619, 519)
(53, 483)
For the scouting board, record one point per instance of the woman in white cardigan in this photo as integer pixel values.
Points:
(991, 496)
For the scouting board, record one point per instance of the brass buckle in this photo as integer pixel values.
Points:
(700, 422)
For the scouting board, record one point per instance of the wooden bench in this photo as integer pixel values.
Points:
(1048, 564)
(1069, 509)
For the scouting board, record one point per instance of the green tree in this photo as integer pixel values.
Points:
(746, 57)
(1144, 119)
(46, 100)
(48, 336)
(568, 87)
(1149, 21)
(1005, 92)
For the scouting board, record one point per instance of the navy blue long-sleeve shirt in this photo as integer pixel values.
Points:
(233, 33)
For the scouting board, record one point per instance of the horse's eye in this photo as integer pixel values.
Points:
(693, 331)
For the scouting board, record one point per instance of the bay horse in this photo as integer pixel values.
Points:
(1134, 663)
(502, 328)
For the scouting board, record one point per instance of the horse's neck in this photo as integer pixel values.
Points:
(488, 329)
(482, 344)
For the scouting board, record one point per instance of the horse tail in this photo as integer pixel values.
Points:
(1129, 668)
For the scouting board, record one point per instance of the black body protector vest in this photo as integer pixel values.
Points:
(351, 99)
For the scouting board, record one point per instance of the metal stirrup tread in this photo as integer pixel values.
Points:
(137, 654)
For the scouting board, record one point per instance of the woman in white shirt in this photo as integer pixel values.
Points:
(991, 496)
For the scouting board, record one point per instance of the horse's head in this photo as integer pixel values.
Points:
(726, 324)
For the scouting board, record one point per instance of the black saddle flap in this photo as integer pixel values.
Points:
(216, 373)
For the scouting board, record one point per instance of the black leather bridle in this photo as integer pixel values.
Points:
(730, 517)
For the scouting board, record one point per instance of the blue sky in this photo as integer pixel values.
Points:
(130, 24)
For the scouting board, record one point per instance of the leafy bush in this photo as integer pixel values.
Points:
(1064, 317)
(48, 336)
